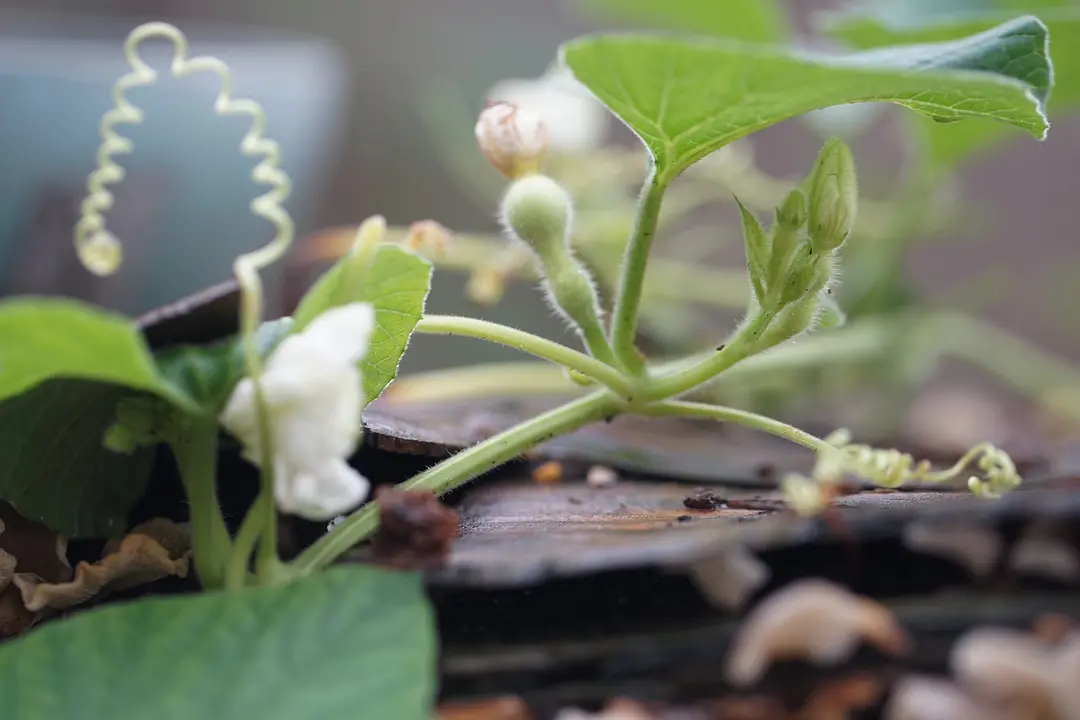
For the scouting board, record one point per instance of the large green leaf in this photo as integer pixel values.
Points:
(685, 98)
(53, 468)
(752, 20)
(351, 642)
(397, 284)
(950, 144)
(42, 338)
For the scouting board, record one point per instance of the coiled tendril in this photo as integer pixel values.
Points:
(891, 468)
(100, 251)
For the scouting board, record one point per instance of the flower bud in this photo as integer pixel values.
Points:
(795, 319)
(513, 140)
(537, 210)
(791, 215)
(833, 196)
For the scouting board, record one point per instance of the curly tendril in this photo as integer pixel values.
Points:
(892, 468)
(100, 251)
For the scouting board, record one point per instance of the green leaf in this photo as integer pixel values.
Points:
(397, 284)
(349, 642)
(751, 20)
(54, 338)
(757, 251)
(950, 145)
(53, 468)
(685, 98)
(63, 367)
(208, 373)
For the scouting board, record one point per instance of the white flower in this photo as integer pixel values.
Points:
(314, 397)
(513, 140)
(576, 121)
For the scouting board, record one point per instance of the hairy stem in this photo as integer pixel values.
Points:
(462, 468)
(720, 413)
(684, 380)
(526, 342)
(632, 274)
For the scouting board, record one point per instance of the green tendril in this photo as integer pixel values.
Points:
(100, 251)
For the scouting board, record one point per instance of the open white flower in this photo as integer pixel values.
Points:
(314, 396)
(575, 120)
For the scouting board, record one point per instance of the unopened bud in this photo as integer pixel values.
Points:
(833, 196)
(537, 210)
(486, 286)
(101, 254)
(791, 215)
(427, 236)
(513, 140)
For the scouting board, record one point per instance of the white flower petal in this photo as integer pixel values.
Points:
(331, 490)
(314, 396)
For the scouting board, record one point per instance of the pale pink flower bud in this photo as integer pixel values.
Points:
(513, 140)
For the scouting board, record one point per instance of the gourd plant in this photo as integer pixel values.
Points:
(84, 399)
(892, 338)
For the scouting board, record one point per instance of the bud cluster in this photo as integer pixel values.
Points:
(793, 267)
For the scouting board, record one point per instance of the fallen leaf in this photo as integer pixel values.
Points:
(30, 546)
(154, 550)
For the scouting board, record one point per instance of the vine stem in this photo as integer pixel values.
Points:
(632, 274)
(720, 413)
(682, 381)
(461, 468)
(528, 343)
(195, 449)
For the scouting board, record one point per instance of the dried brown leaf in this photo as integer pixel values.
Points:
(152, 551)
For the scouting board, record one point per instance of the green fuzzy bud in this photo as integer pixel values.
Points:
(795, 319)
(792, 215)
(832, 188)
(808, 273)
(537, 210)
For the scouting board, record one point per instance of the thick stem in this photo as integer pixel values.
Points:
(195, 449)
(462, 468)
(720, 413)
(683, 381)
(632, 275)
(528, 343)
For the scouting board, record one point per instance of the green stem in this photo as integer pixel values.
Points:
(526, 342)
(720, 413)
(236, 573)
(682, 381)
(461, 468)
(195, 449)
(632, 274)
